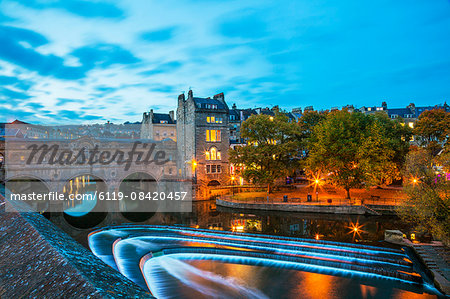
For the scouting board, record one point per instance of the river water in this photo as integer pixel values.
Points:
(214, 276)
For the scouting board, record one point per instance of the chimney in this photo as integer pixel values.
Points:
(150, 116)
(220, 97)
(190, 95)
(171, 114)
(181, 99)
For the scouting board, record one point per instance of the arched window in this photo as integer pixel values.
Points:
(213, 154)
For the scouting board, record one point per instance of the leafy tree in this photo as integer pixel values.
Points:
(273, 144)
(428, 202)
(357, 150)
(432, 128)
(306, 123)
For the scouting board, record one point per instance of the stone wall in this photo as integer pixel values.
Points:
(39, 260)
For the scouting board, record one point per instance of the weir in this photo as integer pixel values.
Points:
(130, 248)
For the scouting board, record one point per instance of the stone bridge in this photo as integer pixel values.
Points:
(58, 165)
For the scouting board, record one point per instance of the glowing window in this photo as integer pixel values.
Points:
(213, 135)
(213, 154)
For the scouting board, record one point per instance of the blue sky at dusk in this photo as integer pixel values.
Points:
(112, 60)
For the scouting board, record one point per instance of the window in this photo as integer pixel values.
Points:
(213, 169)
(209, 106)
(213, 154)
(213, 136)
(214, 120)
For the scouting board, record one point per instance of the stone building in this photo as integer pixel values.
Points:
(158, 126)
(203, 141)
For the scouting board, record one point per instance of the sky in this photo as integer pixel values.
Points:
(91, 61)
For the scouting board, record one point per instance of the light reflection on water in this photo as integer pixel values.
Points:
(192, 278)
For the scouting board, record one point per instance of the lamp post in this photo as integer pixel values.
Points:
(316, 184)
(232, 184)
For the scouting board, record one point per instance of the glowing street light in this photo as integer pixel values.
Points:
(317, 182)
(233, 178)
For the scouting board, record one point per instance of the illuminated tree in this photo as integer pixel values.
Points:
(357, 150)
(428, 190)
(433, 128)
(272, 150)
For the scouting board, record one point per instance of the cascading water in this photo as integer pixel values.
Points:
(205, 283)
(193, 263)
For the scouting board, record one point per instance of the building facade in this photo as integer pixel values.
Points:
(158, 126)
(203, 141)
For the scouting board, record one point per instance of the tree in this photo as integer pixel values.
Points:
(357, 150)
(432, 128)
(306, 124)
(272, 149)
(428, 202)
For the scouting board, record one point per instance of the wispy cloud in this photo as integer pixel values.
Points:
(88, 9)
(159, 35)
(110, 60)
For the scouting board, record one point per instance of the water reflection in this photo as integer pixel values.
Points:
(171, 277)
(343, 228)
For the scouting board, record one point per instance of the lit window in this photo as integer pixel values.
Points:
(212, 154)
(213, 136)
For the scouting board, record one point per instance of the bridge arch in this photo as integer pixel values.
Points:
(132, 187)
(86, 213)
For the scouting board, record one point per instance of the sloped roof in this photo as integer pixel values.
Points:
(158, 117)
(201, 102)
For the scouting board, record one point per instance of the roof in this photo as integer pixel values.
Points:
(202, 102)
(7, 132)
(159, 118)
(399, 111)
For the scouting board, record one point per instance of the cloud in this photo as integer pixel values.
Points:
(103, 55)
(63, 101)
(12, 95)
(250, 26)
(34, 106)
(9, 114)
(162, 88)
(163, 68)
(87, 9)
(15, 82)
(159, 35)
(13, 50)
